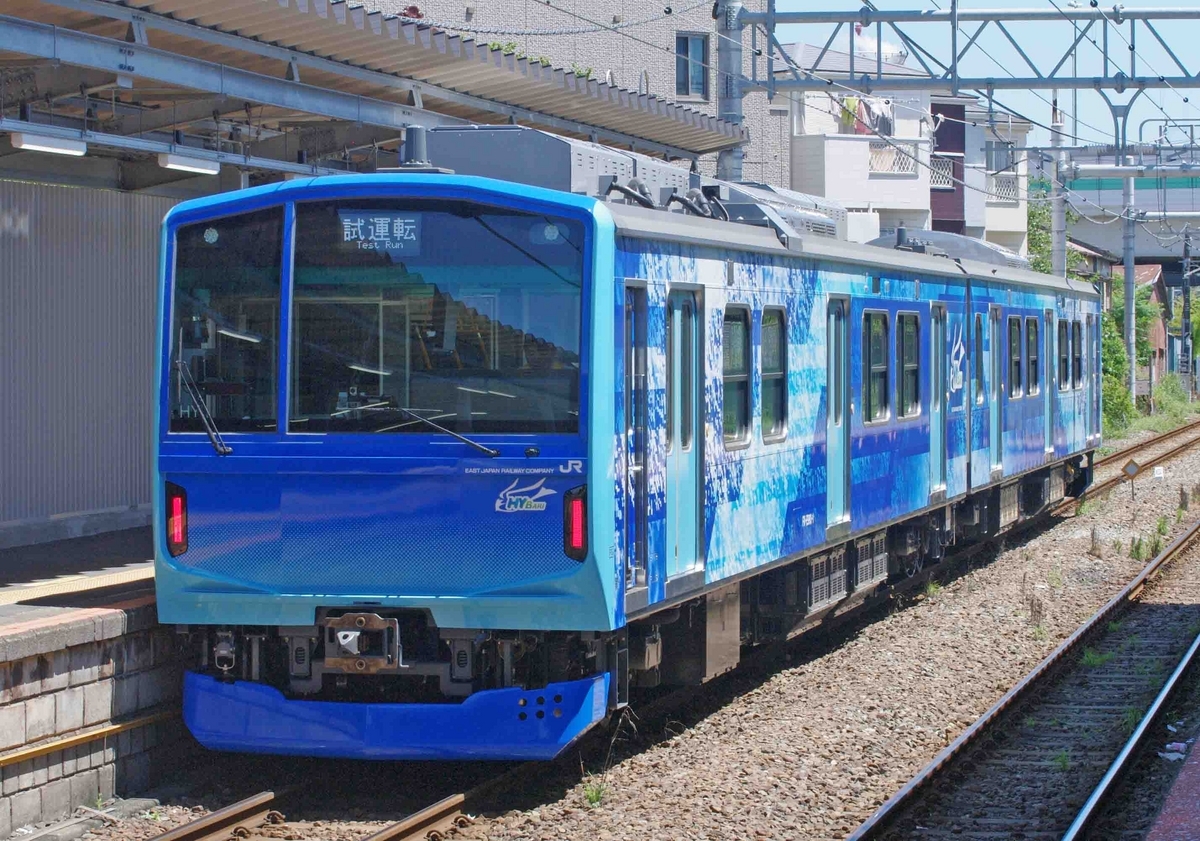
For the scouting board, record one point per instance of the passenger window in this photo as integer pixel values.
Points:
(774, 375)
(1014, 357)
(909, 355)
(979, 392)
(735, 366)
(1077, 348)
(875, 364)
(1064, 357)
(1033, 377)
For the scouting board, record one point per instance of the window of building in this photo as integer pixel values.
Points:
(1077, 352)
(999, 156)
(1014, 357)
(1064, 357)
(1033, 377)
(691, 65)
(980, 395)
(774, 375)
(735, 366)
(908, 355)
(875, 364)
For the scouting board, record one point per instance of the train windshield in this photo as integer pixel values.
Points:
(466, 314)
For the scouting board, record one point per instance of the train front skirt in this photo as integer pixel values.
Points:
(492, 724)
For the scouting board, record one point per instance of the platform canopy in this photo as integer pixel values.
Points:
(303, 86)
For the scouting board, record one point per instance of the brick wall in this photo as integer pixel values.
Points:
(71, 672)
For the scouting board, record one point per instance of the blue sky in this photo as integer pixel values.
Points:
(1045, 43)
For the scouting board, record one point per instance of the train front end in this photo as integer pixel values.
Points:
(384, 466)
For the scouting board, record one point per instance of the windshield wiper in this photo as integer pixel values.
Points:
(210, 426)
(483, 448)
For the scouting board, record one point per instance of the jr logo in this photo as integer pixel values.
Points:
(571, 467)
(513, 500)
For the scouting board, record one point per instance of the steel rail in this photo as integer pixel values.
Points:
(222, 823)
(1149, 442)
(1121, 763)
(430, 822)
(892, 808)
(1108, 484)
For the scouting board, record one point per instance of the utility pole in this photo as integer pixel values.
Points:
(729, 80)
(1058, 201)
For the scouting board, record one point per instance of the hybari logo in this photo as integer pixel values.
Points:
(957, 357)
(529, 498)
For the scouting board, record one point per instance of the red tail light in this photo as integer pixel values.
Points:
(176, 519)
(575, 523)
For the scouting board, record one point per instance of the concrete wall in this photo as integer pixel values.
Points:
(67, 672)
(639, 54)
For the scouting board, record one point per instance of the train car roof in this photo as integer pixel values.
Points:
(645, 223)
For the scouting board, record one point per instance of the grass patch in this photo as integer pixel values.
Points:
(932, 588)
(1137, 549)
(1130, 719)
(594, 791)
(1040, 634)
(1055, 578)
(1030, 721)
(1113, 626)
(1164, 525)
(1118, 546)
(1062, 760)
(1156, 545)
(1086, 507)
(1092, 659)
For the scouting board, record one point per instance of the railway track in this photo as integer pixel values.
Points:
(1041, 761)
(1116, 458)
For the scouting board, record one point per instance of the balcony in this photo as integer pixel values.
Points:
(1003, 188)
(941, 173)
(861, 171)
(894, 158)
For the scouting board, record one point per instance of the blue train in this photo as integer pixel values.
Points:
(449, 466)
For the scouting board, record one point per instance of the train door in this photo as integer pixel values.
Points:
(937, 401)
(683, 462)
(837, 418)
(1050, 386)
(995, 407)
(635, 437)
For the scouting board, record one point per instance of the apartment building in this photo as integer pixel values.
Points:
(665, 49)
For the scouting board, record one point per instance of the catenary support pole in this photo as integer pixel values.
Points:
(1130, 239)
(1058, 203)
(729, 81)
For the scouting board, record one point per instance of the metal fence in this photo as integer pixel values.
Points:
(941, 173)
(77, 304)
(894, 158)
(1003, 188)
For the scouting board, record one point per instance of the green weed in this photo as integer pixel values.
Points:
(1039, 633)
(932, 588)
(1114, 626)
(1055, 578)
(1156, 546)
(1062, 760)
(1164, 525)
(1092, 659)
(1130, 719)
(593, 791)
(1086, 507)
(1137, 549)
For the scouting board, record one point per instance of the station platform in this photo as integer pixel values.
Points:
(89, 681)
(1179, 819)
